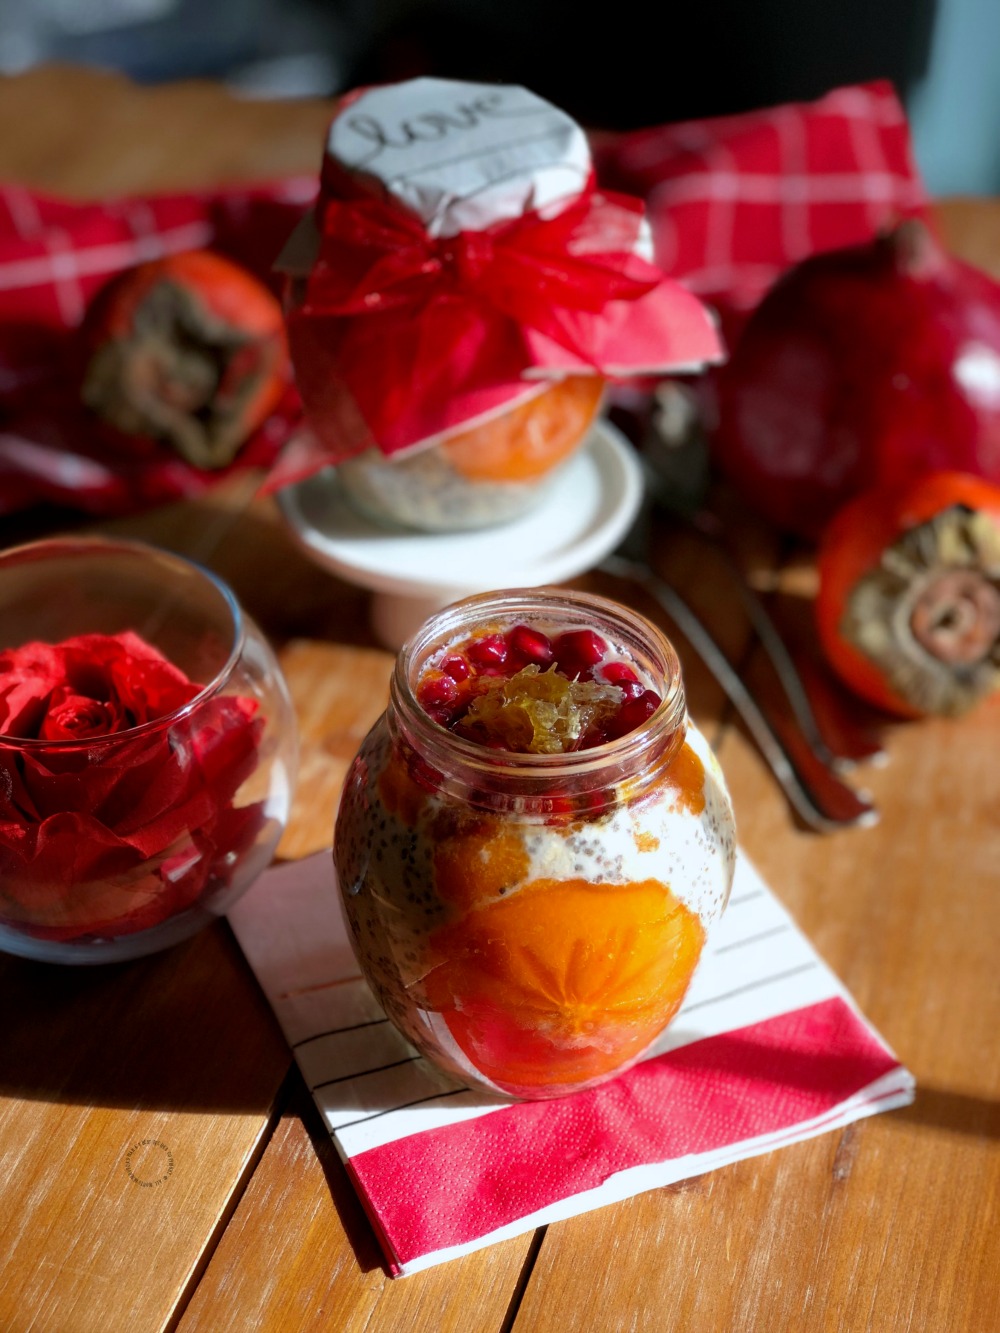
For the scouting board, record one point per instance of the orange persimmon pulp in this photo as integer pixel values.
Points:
(480, 865)
(563, 981)
(527, 441)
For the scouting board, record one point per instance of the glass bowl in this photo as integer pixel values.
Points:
(147, 750)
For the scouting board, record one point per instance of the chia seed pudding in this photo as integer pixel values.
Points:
(534, 842)
(483, 475)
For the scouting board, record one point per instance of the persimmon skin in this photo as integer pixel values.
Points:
(852, 546)
(228, 291)
(227, 294)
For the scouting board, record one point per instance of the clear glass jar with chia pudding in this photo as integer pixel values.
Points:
(476, 476)
(484, 474)
(534, 842)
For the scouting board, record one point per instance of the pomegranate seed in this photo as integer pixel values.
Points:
(488, 651)
(577, 650)
(634, 712)
(558, 809)
(424, 775)
(619, 673)
(531, 645)
(436, 690)
(456, 667)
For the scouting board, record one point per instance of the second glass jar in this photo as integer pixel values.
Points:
(532, 922)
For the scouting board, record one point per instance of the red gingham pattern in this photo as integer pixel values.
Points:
(54, 257)
(736, 200)
(732, 203)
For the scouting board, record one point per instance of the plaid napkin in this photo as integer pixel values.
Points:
(736, 200)
(54, 257)
(767, 1050)
(732, 202)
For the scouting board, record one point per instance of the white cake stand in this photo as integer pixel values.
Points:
(411, 574)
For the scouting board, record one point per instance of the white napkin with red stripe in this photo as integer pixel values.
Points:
(767, 1050)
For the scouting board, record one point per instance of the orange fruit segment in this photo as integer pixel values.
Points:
(563, 981)
(527, 441)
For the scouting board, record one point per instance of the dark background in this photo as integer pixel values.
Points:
(641, 65)
(613, 65)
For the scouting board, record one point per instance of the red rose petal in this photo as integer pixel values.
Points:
(74, 717)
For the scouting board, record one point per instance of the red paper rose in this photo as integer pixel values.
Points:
(121, 824)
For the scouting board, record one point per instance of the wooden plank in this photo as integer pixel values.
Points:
(246, 542)
(138, 1094)
(321, 1267)
(338, 693)
(157, 1050)
(133, 1099)
(102, 1066)
(299, 1255)
(91, 134)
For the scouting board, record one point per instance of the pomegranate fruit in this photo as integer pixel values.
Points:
(862, 367)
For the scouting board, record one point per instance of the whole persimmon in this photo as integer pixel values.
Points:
(908, 610)
(188, 350)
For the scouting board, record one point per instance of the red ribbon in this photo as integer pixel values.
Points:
(538, 272)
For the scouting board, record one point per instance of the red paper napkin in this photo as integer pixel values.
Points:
(768, 1049)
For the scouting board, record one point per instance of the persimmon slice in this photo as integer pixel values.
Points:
(563, 981)
(527, 441)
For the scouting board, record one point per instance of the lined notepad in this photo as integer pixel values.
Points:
(767, 1050)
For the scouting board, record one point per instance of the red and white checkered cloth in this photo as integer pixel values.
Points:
(736, 200)
(732, 201)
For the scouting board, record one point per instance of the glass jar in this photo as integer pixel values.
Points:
(474, 477)
(486, 474)
(147, 750)
(531, 922)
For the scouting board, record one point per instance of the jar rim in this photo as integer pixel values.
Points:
(63, 547)
(504, 605)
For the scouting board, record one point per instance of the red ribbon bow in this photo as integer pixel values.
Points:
(541, 273)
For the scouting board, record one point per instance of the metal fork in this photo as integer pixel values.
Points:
(797, 754)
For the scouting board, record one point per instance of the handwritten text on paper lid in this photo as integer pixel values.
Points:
(462, 155)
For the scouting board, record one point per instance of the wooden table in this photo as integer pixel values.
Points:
(889, 1225)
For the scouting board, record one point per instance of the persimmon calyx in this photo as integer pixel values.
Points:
(181, 375)
(928, 616)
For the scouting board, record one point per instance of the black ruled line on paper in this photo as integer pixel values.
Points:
(746, 897)
(333, 1032)
(363, 1073)
(753, 939)
(403, 1106)
(486, 151)
(751, 985)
